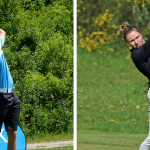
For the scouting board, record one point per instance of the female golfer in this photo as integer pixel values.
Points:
(140, 54)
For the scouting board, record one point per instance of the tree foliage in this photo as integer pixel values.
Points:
(39, 52)
(99, 21)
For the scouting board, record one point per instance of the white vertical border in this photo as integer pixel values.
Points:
(75, 74)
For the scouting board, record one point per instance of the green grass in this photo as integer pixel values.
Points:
(50, 137)
(111, 97)
(58, 148)
(96, 140)
(111, 93)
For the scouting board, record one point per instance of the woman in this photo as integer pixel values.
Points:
(140, 54)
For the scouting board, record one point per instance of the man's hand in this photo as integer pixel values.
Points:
(2, 34)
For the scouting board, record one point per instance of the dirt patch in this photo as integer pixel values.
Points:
(49, 144)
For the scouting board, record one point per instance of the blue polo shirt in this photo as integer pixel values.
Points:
(6, 81)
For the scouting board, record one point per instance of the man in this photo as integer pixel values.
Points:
(9, 103)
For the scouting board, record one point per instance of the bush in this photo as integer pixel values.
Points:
(39, 52)
(142, 18)
(45, 99)
(99, 27)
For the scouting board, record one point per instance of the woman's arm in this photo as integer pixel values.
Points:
(146, 46)
(139, 58)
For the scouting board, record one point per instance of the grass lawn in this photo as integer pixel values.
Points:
(111, 93)
(112, 104)
(50, 138)
(96, 140)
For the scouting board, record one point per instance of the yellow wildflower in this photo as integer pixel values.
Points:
(127, 57)
(118, 33)
(110, 49)
(80, 33)
(96, 21)
(143, 5)
(112, 120)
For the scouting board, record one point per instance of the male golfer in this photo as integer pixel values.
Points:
(9, 103)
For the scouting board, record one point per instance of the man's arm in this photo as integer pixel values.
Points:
(2, 34)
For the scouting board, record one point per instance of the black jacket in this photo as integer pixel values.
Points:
(141, 58)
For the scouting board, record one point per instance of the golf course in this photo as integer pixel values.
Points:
(112, 104)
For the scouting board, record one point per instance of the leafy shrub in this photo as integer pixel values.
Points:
(45, 103)
(39, 52)
(142, 18)
(99, 36)
(99, 27)
(32, 4)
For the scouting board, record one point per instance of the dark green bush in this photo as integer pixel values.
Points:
(47, 105)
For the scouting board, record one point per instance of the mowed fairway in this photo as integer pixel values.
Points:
(96, 140)
(112, 104)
